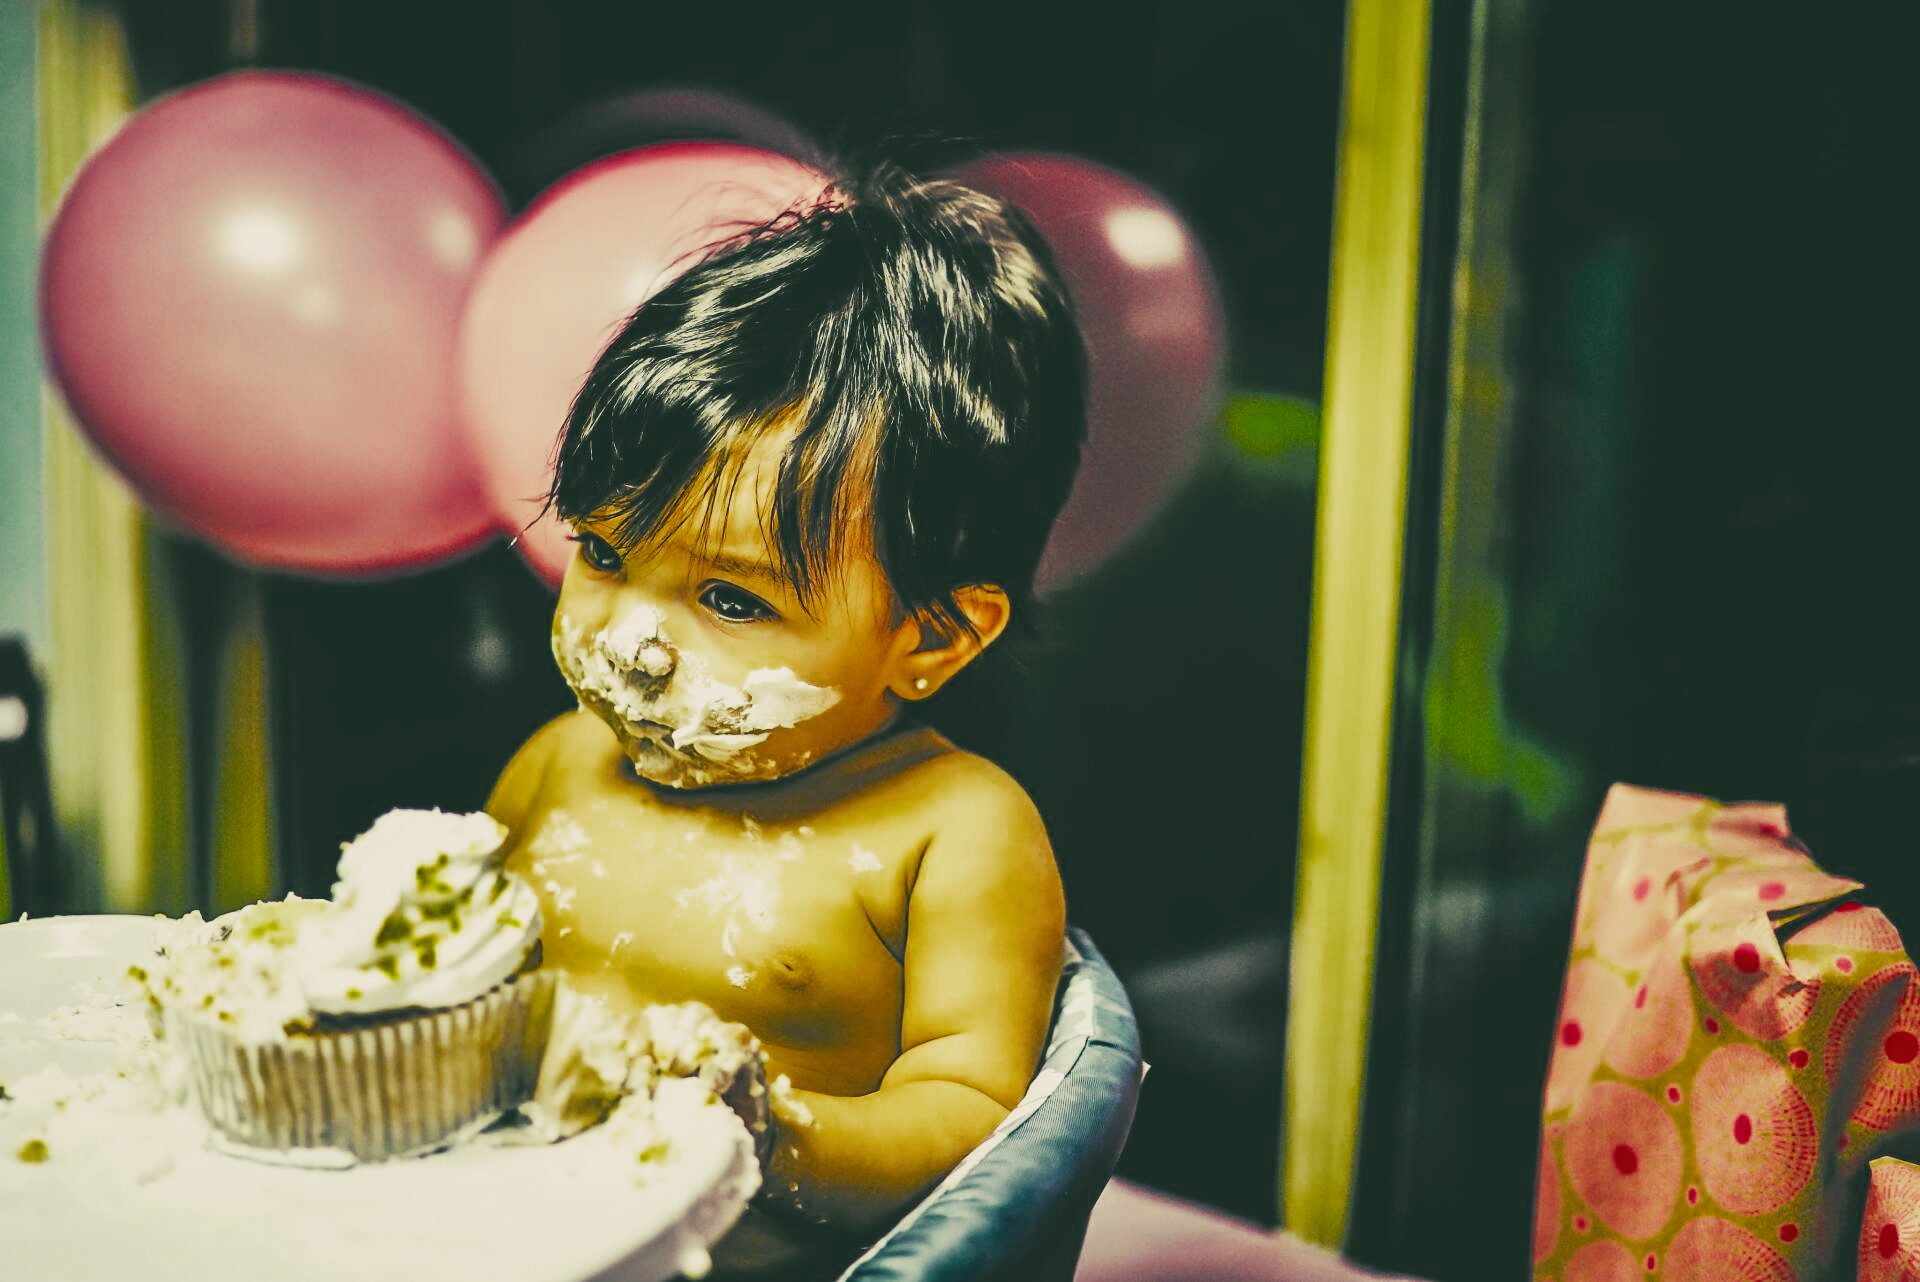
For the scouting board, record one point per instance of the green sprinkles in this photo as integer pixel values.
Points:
(274, 931)
(427, 876)
(424, 949)
(395, 928)
(33, 1151)
(354, 994)
(388, 966)
(137, 973)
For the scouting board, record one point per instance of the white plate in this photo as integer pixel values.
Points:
(129, 1194)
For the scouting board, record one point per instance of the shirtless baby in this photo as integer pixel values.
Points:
(810, 482)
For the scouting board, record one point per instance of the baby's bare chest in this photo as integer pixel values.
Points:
(792, 928)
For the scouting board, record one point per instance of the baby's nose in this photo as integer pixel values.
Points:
(639, 644)
(657, 658)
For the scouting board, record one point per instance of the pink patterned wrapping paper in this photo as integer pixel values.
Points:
(1737, 1035)
(1890, 1230)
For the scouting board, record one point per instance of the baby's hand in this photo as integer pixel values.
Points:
(688, 1040)
(595, 1059)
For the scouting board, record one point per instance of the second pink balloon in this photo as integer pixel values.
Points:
(558, 286)
(1151, 315)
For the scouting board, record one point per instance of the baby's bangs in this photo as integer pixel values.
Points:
(822, 516)
(821, 513)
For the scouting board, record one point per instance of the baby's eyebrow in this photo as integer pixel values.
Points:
(745, 567)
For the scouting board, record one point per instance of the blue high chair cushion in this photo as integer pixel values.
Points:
(1018, 1205)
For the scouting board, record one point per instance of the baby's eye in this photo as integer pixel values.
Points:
(598, 553)
(735, 605)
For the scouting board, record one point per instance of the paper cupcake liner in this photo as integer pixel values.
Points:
(391, 1089)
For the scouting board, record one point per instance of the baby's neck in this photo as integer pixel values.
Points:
(902, 742)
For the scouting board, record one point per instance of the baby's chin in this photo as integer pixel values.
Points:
(655, 759)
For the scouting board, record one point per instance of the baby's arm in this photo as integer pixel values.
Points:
(985, 924)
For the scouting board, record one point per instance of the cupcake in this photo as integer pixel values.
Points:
(396, 1018)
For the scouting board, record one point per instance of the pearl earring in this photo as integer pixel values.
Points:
(920, 685)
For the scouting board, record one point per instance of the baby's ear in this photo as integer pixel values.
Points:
(944, 647)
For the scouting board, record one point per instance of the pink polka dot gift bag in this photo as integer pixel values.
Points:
(1738, 1037)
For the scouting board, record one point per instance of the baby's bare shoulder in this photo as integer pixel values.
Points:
(979, 813)
(972, 780)
(923, 771)
(560, 742)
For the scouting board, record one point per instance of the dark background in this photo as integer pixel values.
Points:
(1701, 562)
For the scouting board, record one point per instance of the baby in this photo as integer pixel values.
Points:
(810, 481)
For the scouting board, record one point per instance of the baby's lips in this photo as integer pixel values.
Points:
(653, 732)
(724, 747)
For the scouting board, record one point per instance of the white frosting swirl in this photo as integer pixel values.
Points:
(422, 915)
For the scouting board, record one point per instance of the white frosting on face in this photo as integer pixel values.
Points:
(656, 695)
(422, 915)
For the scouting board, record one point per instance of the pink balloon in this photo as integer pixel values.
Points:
(1152, 319)
(251, 298)
(569, 271)
(673, 113)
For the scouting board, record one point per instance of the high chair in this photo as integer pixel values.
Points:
(1017, 1206)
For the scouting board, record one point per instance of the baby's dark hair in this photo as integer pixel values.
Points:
(912, 345)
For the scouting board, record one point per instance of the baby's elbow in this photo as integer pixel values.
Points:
(974, 1069)
(984, 1108)
(998, 1109)
(1004, 1094)
(962, 1111)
